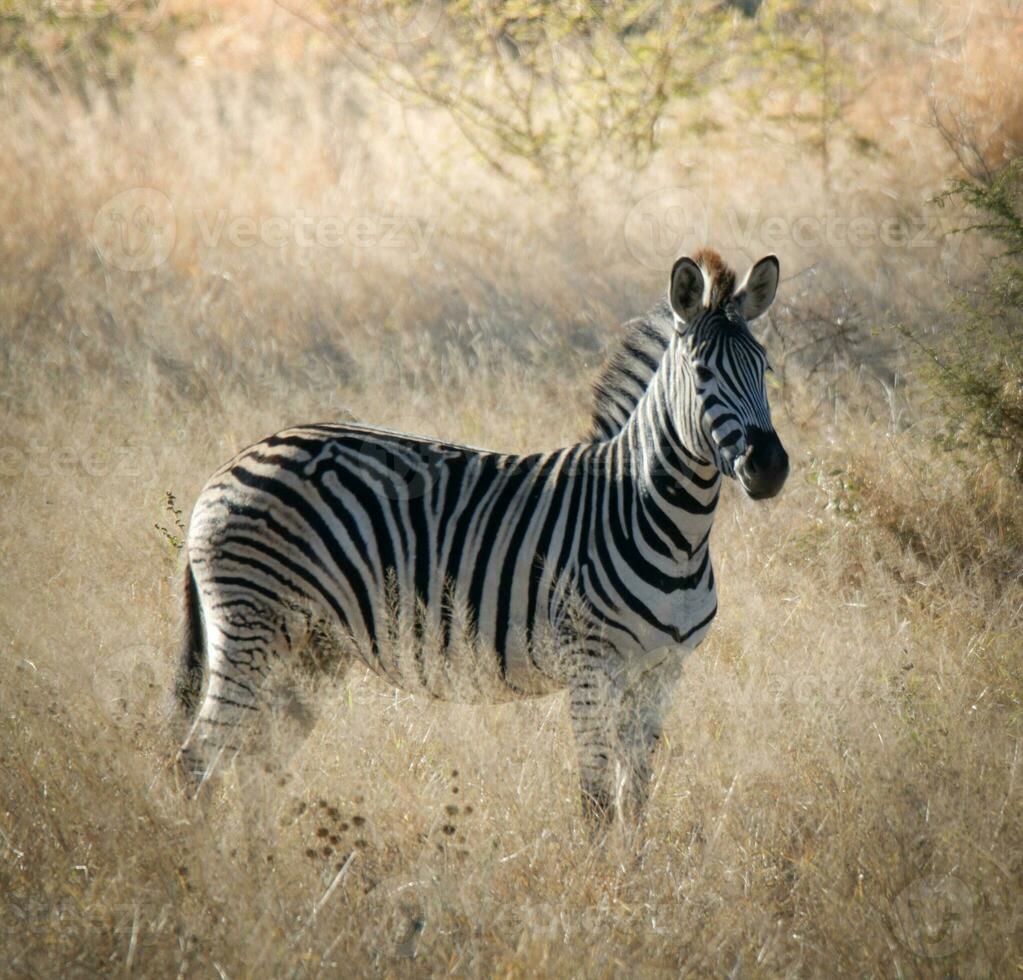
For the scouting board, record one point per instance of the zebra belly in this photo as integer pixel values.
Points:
(471, 673)
(443, 644)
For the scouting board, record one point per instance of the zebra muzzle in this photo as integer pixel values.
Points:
(764, 467)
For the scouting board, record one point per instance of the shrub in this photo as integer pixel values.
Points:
(975, 368)
(541, 87)
(80, 47)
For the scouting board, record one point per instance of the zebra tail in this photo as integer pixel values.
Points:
(191, 661)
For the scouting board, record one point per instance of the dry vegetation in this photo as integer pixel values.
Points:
(840, 793)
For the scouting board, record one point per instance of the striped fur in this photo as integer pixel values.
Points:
(637, 355)
(464, 574)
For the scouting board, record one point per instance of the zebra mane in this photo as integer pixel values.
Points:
(626, 373)
(638, 352)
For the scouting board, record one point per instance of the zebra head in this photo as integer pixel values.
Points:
(723, 368)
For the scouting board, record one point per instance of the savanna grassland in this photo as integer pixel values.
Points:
(245, 229)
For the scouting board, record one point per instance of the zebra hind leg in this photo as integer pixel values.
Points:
(263, 659)
(247, 639)
(290, 693)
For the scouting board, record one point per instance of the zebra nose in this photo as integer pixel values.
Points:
(764, 467)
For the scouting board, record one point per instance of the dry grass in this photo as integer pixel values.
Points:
(840, 791)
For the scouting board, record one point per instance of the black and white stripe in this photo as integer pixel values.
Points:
(471, 575)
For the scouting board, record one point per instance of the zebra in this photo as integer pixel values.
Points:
(470, 575)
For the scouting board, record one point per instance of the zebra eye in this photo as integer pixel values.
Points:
(704, 374)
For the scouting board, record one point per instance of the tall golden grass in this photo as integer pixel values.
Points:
(839, 794)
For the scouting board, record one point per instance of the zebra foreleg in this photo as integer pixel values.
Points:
(594, 703)
(639, 733)
(646, 701)
(617, 722)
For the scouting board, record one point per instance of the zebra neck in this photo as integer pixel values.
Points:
(676, 488)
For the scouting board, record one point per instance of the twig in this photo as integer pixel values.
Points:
(333, 885)
(133, 942)
(324, 898)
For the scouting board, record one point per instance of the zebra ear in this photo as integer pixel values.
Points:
(685, 293)
(756, 292)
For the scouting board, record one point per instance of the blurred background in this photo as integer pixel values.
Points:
(218, 219)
